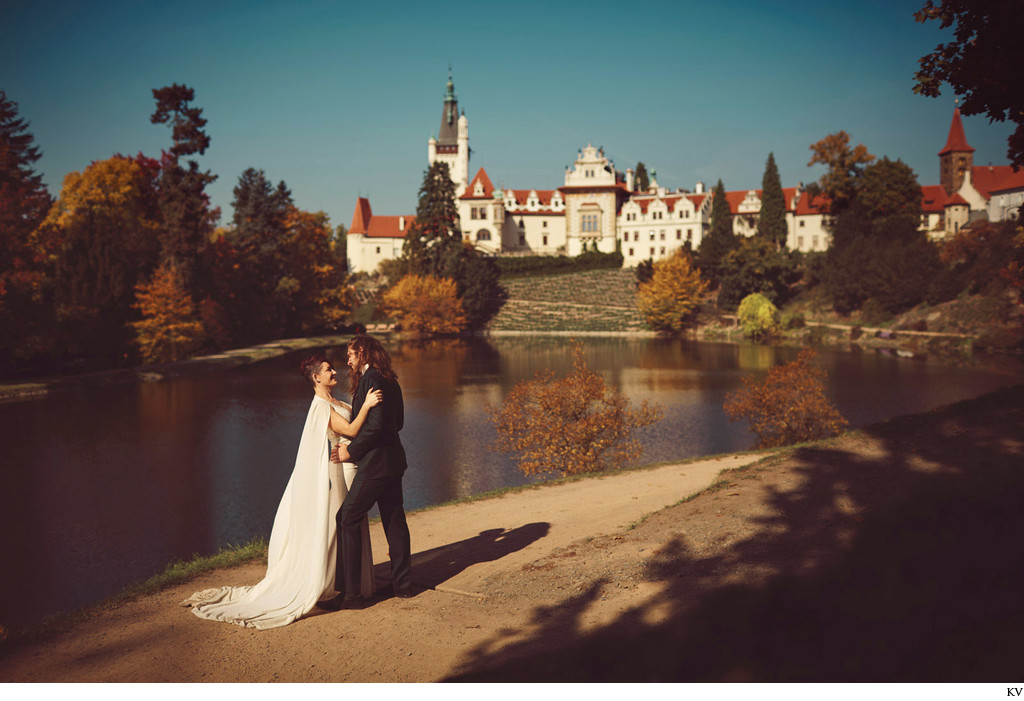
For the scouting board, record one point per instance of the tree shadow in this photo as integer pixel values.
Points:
(898, 562)
(438, 565)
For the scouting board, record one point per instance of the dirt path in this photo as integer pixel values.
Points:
(458, 549)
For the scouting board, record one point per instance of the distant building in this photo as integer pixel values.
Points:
(597, 207)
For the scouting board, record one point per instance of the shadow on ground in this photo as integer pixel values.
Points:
(895, 560)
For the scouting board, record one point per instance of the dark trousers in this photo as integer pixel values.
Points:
(386, 492)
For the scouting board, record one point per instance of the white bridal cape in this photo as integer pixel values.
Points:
(302, 557)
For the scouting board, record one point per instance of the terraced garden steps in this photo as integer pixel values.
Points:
(592, 301)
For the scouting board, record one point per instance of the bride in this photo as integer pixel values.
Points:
(301, 558)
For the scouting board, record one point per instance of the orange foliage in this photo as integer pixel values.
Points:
(789, 406)
(426, 305)
(669, 299)
(569, 425)
(169, 329)
(324, 299)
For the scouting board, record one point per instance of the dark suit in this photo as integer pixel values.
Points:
(378, 452)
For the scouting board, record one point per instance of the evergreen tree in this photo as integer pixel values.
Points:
(771, 222)
(25, 249)
(720, 238)
(341, 247)
(188, 220)
(643, 181)
(756, 266)
(433, 247)
(435, 231)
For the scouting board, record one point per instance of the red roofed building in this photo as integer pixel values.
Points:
(372, 239)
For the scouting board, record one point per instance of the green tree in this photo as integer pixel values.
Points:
(642, 180)
(771, 221)
(26, 249)
(720, 239)
(756, 266)
(435, 231)
(434, 247)
(341, 246)
(188, 221)
(981, 64)
(877, 251)
(758, 317)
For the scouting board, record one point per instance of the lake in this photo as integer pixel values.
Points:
(104, 486)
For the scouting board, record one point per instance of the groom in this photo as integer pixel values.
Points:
(378, 452)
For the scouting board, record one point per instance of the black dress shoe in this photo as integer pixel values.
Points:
(407, 594)
(332, 604)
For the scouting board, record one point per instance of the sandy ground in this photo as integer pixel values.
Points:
(890, 554)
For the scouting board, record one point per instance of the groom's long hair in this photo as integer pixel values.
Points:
(373, 354)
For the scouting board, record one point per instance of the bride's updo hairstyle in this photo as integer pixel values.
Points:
(372, 353)
(311, 366)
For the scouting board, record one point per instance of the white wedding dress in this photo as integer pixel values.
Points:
(302, 556)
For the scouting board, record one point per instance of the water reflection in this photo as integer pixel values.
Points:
(106, 485)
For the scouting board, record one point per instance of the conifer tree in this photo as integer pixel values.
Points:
(643, 181)
(771, 222)
(169, 329)
(25, 249)
(434, 247)
(188, 220)
(720, 239)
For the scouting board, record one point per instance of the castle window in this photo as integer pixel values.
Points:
(545, 240)
(631, 252)
(588, 222)
(483, 235)
(679, 234)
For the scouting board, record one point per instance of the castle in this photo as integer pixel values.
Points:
(599, 208)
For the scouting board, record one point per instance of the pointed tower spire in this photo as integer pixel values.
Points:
(449, 134)
(957, 140)
(956, 157)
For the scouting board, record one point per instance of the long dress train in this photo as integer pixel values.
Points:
(301, 557)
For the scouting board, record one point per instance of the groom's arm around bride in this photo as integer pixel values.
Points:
(380, 456)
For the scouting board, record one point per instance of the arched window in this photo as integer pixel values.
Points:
(483, 235)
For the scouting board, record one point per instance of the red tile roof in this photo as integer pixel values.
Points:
(956, 141)
(988, 178)
(364, 222)
(1013, 181)
(481, 177)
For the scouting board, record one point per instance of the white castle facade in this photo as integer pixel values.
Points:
(598, 207)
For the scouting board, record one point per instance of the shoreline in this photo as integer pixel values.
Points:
(665, 574)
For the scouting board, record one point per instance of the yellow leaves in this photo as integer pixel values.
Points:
(569, 425)
(788, 406)
(114, 188)
(426, 305)
(169, 329)
(667, 301)
(758, 316)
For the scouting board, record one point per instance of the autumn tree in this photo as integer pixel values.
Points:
(981, 64)
(844, 164)
(670, 298)
(788, 406)
(188, 220)
(169, 329)
(758, 317)
(26, 250)
(720, 239)
(569, 425)
(771, 221)
(108, 217)
(425, 305)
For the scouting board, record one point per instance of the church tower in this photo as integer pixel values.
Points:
(452, 144)
(956, 158)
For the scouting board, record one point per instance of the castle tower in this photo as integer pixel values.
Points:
(956, 158)
(452, 144)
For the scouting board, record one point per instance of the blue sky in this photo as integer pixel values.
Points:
(338, 99)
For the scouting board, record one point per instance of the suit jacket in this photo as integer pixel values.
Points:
(377, 449)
